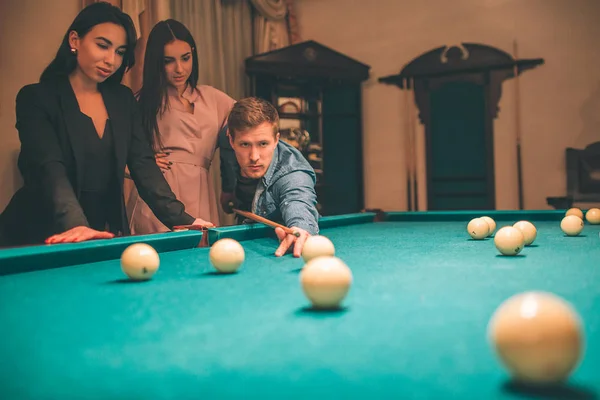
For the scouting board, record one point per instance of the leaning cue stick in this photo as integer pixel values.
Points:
(518, 127)
(191, 227)
(413, 147)
(407, 146)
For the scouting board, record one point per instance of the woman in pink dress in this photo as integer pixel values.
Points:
(184, 123)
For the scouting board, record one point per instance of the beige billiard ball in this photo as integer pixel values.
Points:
(325, 281)
(574, 211)
(538, 337)
(571, 225)
(509, 240)
(478, 228)
(528, 229)
(317, 245)
(140, 261)
(491, 223)
(226, 255)
(593, 216)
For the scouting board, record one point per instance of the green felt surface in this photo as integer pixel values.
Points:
(413, 326)
(466, 215)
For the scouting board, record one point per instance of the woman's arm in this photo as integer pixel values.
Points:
(150, 182)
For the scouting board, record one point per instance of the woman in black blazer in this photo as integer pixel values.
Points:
(79, 128)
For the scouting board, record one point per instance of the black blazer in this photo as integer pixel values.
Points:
(49, 122)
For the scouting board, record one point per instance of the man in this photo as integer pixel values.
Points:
(275, 181)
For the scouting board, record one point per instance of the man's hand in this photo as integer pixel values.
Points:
(78, 234)
(287, 240)
(226, 198)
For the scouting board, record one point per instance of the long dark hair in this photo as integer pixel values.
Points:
(97, 13)
(154, 92)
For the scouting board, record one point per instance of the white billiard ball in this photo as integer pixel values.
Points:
(537, 337)
(226, 255)
(491, 223)
(325, 281)
(593, 216)
(478, 228)
(571, 225)
(140, 261)
(509, 241)
(528, 229)
(317, 245)
(574, 211)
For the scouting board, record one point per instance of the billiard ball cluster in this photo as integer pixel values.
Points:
(509, 240)
(572, 224)
(537, 336)
(325, 279)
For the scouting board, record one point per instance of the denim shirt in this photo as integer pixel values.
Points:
(286, 193)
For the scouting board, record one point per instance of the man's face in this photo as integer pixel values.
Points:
(254, 149)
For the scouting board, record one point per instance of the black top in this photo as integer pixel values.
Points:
(99, 193)
(244, 194)
(53, 158)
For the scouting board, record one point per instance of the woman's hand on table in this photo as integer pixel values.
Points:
(201, 222)
(286, 241)
(79, 234)
(162, 161)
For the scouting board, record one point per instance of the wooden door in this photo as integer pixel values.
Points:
(459, 148)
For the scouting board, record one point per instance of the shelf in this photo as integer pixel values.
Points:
(299, 115)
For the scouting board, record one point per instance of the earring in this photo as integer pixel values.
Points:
(74, 51)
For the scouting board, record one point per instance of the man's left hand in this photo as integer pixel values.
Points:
(287, 240)
(225, 199)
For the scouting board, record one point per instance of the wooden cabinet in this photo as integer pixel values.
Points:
(319, 97)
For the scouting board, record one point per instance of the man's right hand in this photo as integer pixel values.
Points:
(287, 240)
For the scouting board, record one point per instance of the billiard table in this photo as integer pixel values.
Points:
(414, 324)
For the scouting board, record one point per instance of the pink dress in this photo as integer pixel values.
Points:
(192, 140)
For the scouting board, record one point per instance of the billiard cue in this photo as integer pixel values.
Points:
(413, 147)
(407, 146)
(191, 227)
(518, 127)
(265, 221)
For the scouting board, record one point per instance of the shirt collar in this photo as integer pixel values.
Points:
(271, 170)
(189, 94)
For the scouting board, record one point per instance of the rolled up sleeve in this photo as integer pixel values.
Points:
(297, 201)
